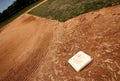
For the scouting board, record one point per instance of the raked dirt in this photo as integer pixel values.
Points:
(37, 49)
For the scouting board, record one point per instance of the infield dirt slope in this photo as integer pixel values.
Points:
(37, 49)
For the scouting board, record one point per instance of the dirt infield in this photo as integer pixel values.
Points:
(37, 49)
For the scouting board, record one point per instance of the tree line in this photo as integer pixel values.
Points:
(15, 7)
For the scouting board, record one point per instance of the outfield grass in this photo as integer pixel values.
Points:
(63, 10)
(17, 14)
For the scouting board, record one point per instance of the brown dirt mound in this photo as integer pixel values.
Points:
(37, 49)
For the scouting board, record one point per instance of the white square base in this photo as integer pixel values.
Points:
(79, 60)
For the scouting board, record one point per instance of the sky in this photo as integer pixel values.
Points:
(4, 4)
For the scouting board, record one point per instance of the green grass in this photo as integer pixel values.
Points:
(63, 10)
(17, 14)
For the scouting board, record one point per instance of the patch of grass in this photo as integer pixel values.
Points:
(63, 10)
(17, 14)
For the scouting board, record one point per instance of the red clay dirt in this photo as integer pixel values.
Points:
(37, 49)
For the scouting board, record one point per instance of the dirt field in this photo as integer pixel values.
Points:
(37, 49)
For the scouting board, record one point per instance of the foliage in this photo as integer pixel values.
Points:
(14, 8)
(11, 18)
